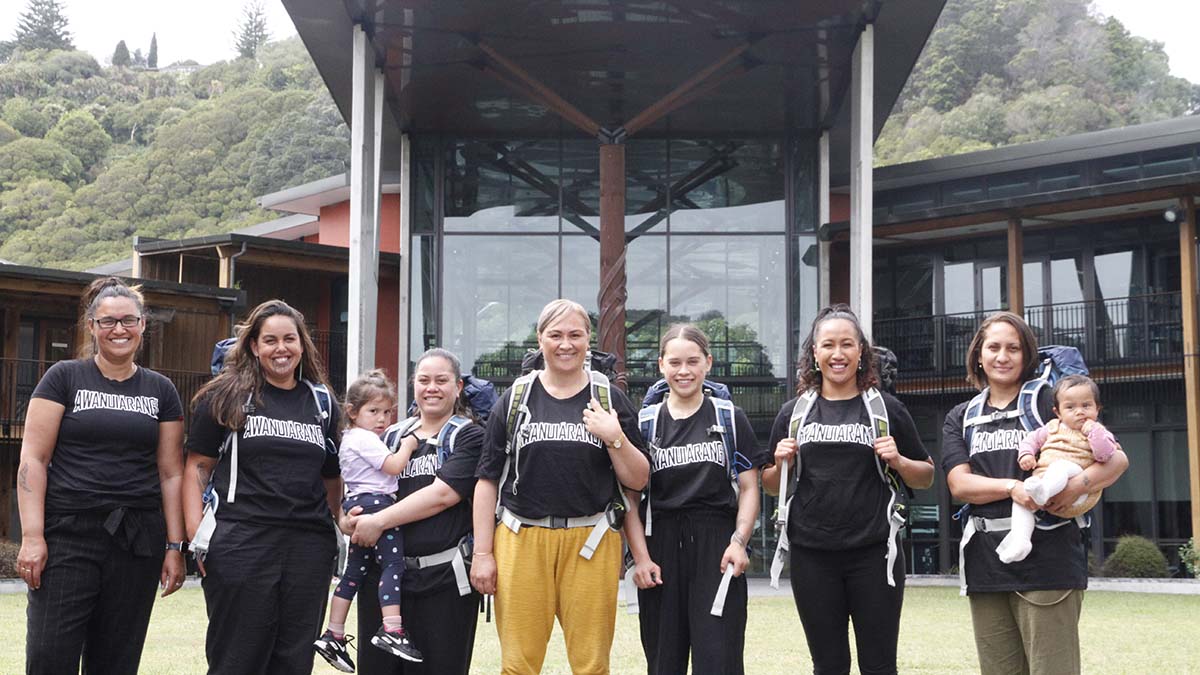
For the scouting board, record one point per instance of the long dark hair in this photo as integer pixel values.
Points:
(89, 302)
(809, 376)
(242, 375)
(461, 406)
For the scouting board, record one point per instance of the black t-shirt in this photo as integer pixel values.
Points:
(562, 470)
(688, 462)
(840, 501)
(106, 453)
(1058, 560)
(282, 460)
(442, 530)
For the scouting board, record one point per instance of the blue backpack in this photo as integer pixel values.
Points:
(659, 390)
(1056, 362)
(219, 351)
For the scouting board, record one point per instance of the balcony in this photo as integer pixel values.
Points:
(1122, 340)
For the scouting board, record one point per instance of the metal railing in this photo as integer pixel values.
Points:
(19, 377)
(1138, 337)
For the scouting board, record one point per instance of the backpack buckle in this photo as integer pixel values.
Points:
(998, 415)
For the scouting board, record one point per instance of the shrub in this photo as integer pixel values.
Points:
(1136, 557)
(8, 559)
(1189, 557)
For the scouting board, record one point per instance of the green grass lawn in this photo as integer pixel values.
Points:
(1122, 633)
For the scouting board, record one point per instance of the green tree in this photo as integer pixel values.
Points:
(43, 26)
(120, 57)
(31, 158)
(82, 136)
(31, 201)
(152, 57)
(251, 33)
(7, 133)
(139, 59)
(25, 118)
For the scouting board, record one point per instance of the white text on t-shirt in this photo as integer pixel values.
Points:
(86, 399)
(257, 425)
(709, 451)
(835, 433)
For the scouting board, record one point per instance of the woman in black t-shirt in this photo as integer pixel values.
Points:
(266, 438)
(1026, 613)
(694, 524)
(434, 512)
(849, 448)
(556, 553)
(98, 489)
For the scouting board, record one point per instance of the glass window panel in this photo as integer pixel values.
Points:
(1127, 503)
(581, 272)
(959, 285)
(914, 285)
(1066, 280)
(1116, 274)
(422, 318)
(502, 186)
(581, 187)
(495, 287)
(646, 308)
(884, 288)
(1171, 484)
(1060, 177)
(910, 200)
(963, 191)
(805, 283)
(646, 180)
(423, 188)
(727, 186)
(734, 288)
(1031, 277)
(1167, 162)
(804, 183)
(993, 293)
(1117, 169)
(1010, 185)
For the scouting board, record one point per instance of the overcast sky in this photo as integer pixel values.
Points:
(202, 29)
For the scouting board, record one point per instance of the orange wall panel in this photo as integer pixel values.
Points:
(335, 225)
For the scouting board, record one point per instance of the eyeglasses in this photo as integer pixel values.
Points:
(110, 322)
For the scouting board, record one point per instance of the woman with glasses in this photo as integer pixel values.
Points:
(99, 493)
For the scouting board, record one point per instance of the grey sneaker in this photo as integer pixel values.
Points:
(333, 650)
(397, 643)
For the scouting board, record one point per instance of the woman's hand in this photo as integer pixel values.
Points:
(601, 423)
(785, 451)
(173, 572)
(735, 554)
(367, 530)
(1020, 496)
(348, 523)
(483, 572)
(646, 574)
(31, 560)
(887, 452)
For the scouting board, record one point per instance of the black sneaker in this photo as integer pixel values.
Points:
(397, 643)
(333, 650)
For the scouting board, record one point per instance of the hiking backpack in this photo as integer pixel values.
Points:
(1056, 362)
(444, 441)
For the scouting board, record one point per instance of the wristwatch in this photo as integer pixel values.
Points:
(180, 546)
(1008, 487)
(616, 445)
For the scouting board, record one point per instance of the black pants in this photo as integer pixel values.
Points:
(831, 587)
(442, 626)
(265, 590)
(96, 595)
(676, 616)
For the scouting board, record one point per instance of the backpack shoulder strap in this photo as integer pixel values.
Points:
(517, 409)
(392, 435)
(972, 415)
(324, 401)
(800, 411)
(445, 437)
(648, 423)
(877, 409)
(601, 389)
(728, 431)
(1027, 403)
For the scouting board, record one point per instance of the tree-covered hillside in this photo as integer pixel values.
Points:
(998, 72)
(91, 156)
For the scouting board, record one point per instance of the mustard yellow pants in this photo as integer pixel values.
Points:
(540, 576)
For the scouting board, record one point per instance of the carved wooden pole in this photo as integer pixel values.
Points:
(612, 254)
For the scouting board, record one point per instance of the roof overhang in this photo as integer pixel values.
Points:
(612, 60)
(309, 198)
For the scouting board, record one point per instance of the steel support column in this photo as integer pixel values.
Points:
(612, 253)
(1191, 351)
(403, 329)
(363, 284)
(862, 135)
(822, 219)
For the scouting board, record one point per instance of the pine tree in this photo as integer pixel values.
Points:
(120, 55)
(251, 33)
(43, 26)
(139, 60)
(152, 59)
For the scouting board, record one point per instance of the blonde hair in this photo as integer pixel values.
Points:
(556, 309)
